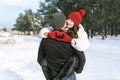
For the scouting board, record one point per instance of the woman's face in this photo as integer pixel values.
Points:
(69, 23)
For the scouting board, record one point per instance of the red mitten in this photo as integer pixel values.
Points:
(60, 36)
(52, 35)
(55, 34)
(65, 38)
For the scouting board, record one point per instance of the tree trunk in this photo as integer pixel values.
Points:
(104, 33)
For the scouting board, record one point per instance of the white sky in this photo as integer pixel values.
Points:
(10, 9)
(19, 3)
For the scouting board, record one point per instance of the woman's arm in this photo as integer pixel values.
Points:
(81, 43)
(45, 30)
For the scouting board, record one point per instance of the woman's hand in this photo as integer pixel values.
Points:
(73, 42)
(59, 36)
(46, 34)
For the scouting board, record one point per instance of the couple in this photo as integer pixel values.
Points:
(60, 52)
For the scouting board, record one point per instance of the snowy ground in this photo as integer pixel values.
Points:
(18, 60)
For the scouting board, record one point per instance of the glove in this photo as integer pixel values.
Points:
(52, 35)
(59, 36)
(65, 38)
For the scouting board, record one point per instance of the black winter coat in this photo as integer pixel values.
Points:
(56, 55)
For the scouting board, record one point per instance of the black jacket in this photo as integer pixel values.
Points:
(74, 64)
(57, 56)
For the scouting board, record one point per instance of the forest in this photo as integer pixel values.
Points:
(102, 16)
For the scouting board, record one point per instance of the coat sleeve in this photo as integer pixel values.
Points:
(68, 68)
(41, 54)
(82, 42)
(81, 60)
(43, 30)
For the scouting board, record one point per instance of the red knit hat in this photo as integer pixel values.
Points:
(77, 16)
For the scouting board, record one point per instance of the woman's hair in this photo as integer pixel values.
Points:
(73, 31)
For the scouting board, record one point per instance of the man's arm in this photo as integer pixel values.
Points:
(41, 54)
(69, 68)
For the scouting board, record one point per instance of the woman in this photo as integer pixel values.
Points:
(78, 37)
(71, 61)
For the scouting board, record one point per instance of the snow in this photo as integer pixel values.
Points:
(18, 61)
(5, 34)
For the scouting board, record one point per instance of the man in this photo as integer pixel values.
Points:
(58, 59)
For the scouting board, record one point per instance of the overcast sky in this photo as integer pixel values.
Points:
(10, 9)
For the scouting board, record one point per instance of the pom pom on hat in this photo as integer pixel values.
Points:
(77, 16)
(82, 12)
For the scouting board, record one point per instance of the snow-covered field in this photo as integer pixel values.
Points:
(18, 60)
